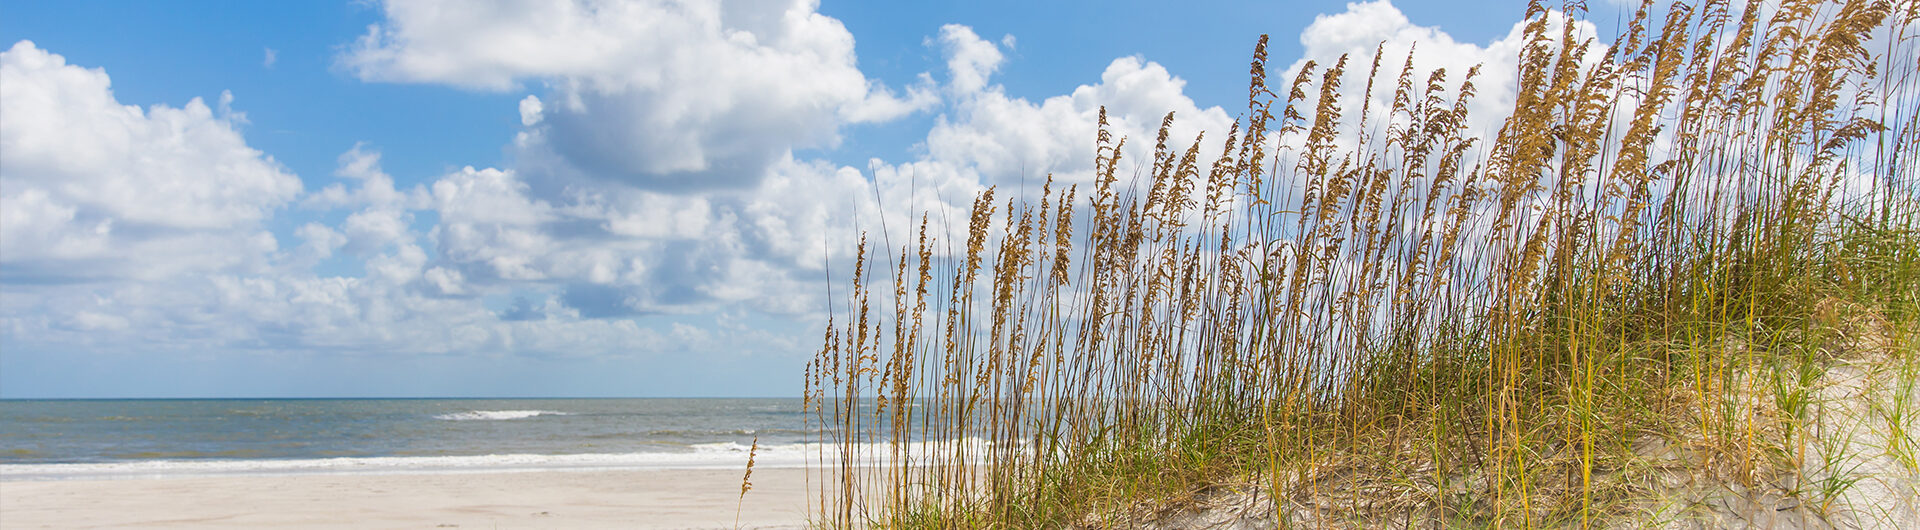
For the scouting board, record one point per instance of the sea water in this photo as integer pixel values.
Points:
(93, 439)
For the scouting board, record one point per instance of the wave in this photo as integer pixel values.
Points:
(707, 434)
(388, 465)
(722, 455)
(495, 415)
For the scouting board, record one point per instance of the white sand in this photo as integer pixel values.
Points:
(533, 499)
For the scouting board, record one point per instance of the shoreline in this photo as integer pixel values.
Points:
(627, 498)
(734, 459)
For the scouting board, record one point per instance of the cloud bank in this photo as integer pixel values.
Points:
(651, 204)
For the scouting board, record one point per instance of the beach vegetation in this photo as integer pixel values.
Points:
(1678, 282)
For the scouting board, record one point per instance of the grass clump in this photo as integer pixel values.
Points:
(1652, 296)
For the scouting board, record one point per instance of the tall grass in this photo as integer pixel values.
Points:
(1461, 329)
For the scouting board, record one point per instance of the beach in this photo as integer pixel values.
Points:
(641, 498)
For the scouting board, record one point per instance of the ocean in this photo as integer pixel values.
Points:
(111, 439)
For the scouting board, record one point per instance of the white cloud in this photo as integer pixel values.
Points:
(486, 218)
(593, 223)
(272, 56)
(1376, 25)
(375, 190)
(486, 196)
(614, 249)
(969, 59)
(384, 218)
(530, 109)
(198, 273)
(95, 188)
(622, 244)
(662, 94)
(998, 139)
(618, 251)
(406, 301)
(319, 242)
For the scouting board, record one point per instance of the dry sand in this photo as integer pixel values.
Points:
(531, 499)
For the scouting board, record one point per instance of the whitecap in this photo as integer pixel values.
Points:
(472, 415)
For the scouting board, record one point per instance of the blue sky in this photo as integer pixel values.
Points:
(544, 198)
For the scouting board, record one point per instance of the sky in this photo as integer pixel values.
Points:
(420, 198)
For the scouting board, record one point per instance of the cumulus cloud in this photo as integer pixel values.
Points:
(151, 223)
(666, 95)
(98, 189)
(530, 109)
(404, 301)
(591, 228)
(988, 138)
(596, 209)
(1008, 140)
(620, 252)
(628, 250)
(969, 59)
(1376, 27)
(613, 249)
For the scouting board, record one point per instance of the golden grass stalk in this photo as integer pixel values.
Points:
(1493, 329)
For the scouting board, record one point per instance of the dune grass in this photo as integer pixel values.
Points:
(1377, 315)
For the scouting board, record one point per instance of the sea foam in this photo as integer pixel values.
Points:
(722, 455)
(491, 415)
(386, 465)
